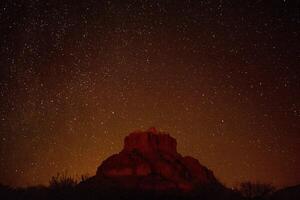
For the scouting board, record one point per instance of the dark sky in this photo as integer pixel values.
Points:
(222, 77)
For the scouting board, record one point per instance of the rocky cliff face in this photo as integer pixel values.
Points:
(149, 160)
(150, 141)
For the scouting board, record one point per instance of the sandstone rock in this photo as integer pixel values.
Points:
(150, 141)
(149, 161)
(200, 173)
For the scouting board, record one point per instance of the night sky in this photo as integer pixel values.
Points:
(222, 77)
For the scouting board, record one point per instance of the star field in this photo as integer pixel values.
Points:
(221, 77)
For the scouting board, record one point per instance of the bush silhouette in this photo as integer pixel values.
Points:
(256, 190)
(62, 181)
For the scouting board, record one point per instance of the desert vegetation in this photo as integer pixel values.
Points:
(255, 190)
(64, 186)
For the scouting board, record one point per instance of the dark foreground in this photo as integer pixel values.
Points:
(74, 193)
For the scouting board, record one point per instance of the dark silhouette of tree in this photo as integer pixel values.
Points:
(252, 190)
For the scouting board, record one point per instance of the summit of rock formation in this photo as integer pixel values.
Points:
(150, 141)
(150, 161)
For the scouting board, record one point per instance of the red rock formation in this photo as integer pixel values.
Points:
(150, 160)
(150, 141)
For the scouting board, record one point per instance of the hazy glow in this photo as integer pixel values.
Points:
(222, 79)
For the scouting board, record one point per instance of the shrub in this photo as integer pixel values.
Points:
(62, 181)
(255, 190)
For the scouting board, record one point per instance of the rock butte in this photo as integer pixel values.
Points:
(150, 161)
